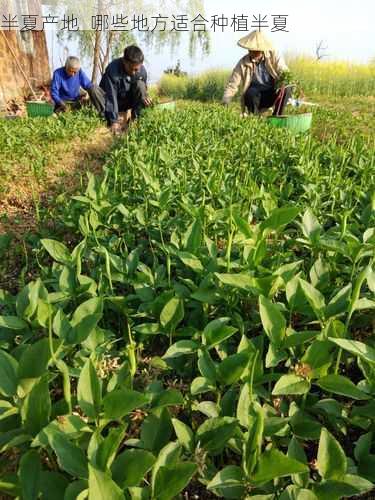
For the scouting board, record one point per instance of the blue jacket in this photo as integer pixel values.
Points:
(65, 87)
(116, 84)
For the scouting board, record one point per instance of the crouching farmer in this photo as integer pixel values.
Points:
(124, 87)
(70, 86)
(256, 74)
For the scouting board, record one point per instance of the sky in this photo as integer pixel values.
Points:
(347, 29)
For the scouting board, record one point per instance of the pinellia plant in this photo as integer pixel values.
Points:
(208, 329)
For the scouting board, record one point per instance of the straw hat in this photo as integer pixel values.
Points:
(255, 41)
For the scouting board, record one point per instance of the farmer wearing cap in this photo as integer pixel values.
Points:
(69, 84)
(256, 74)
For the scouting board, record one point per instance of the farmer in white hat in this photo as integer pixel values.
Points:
(256, 74)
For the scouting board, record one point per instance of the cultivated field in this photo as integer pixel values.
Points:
(197, 319)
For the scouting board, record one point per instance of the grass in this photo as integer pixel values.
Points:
(28, 144)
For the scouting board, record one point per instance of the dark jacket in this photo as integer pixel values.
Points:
(116, 84)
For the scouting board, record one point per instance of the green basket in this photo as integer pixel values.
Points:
(39, 108)
(295, 123)
(171, 105)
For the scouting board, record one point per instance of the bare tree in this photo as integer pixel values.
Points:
(319, 51)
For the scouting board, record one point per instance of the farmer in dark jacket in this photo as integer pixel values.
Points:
(124, 86)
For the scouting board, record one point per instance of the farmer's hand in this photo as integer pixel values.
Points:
(84, 97)
(147, 101)
(63, 106)
(115, 128)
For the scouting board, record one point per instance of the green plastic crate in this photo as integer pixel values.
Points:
(295, 123)
(39, 108)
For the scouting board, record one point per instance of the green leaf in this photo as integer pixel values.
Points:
(200, 385)
(231, 368)
(217, 331)
(172, 313)
(102, 487)
(89, 390)
(214, 433)
(70, 457)
(107, 449)
(120, 402)
(339, 304)
(130, 467)
(244, 281)
(34, 360)
(228, 483)
(171, 480)
(347, 487)
(272, 464)
(36, 407)
(148, 329)
(184, 434)
(8, 374)
(331, 460)
(29, 474)
(193, 237)
(296, 451)
(338, 384)
(310, 226)
(291, 384)
(295, 493)
(314, 297)
(85, 319)
(12, 323)
(318, 357)
(273, 321)
(156, 430)
(360, 349)
(206, 365)
(253, 443)
(57, 250)
(280, 217)
(181, 348)
(74, 489)
(53, 485)
(169, 455)
(9, 487)
(169, 397)
(243, 404)
(304, 426)
(27, 299)
(191, 261)
(298, 338)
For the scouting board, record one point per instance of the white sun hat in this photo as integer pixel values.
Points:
(256, 41)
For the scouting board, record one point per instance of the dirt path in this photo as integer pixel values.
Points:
(23, 195)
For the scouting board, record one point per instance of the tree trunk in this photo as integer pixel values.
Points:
(108, 49)
(97, 44)
(96, 60)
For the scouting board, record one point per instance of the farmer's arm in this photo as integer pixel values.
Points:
(233, 84)
(84, 80)
(147, 101)
(111, 103)
(55, 88)
(280, 64)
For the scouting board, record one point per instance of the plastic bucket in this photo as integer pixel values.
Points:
(295, 123)
(39, 108)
